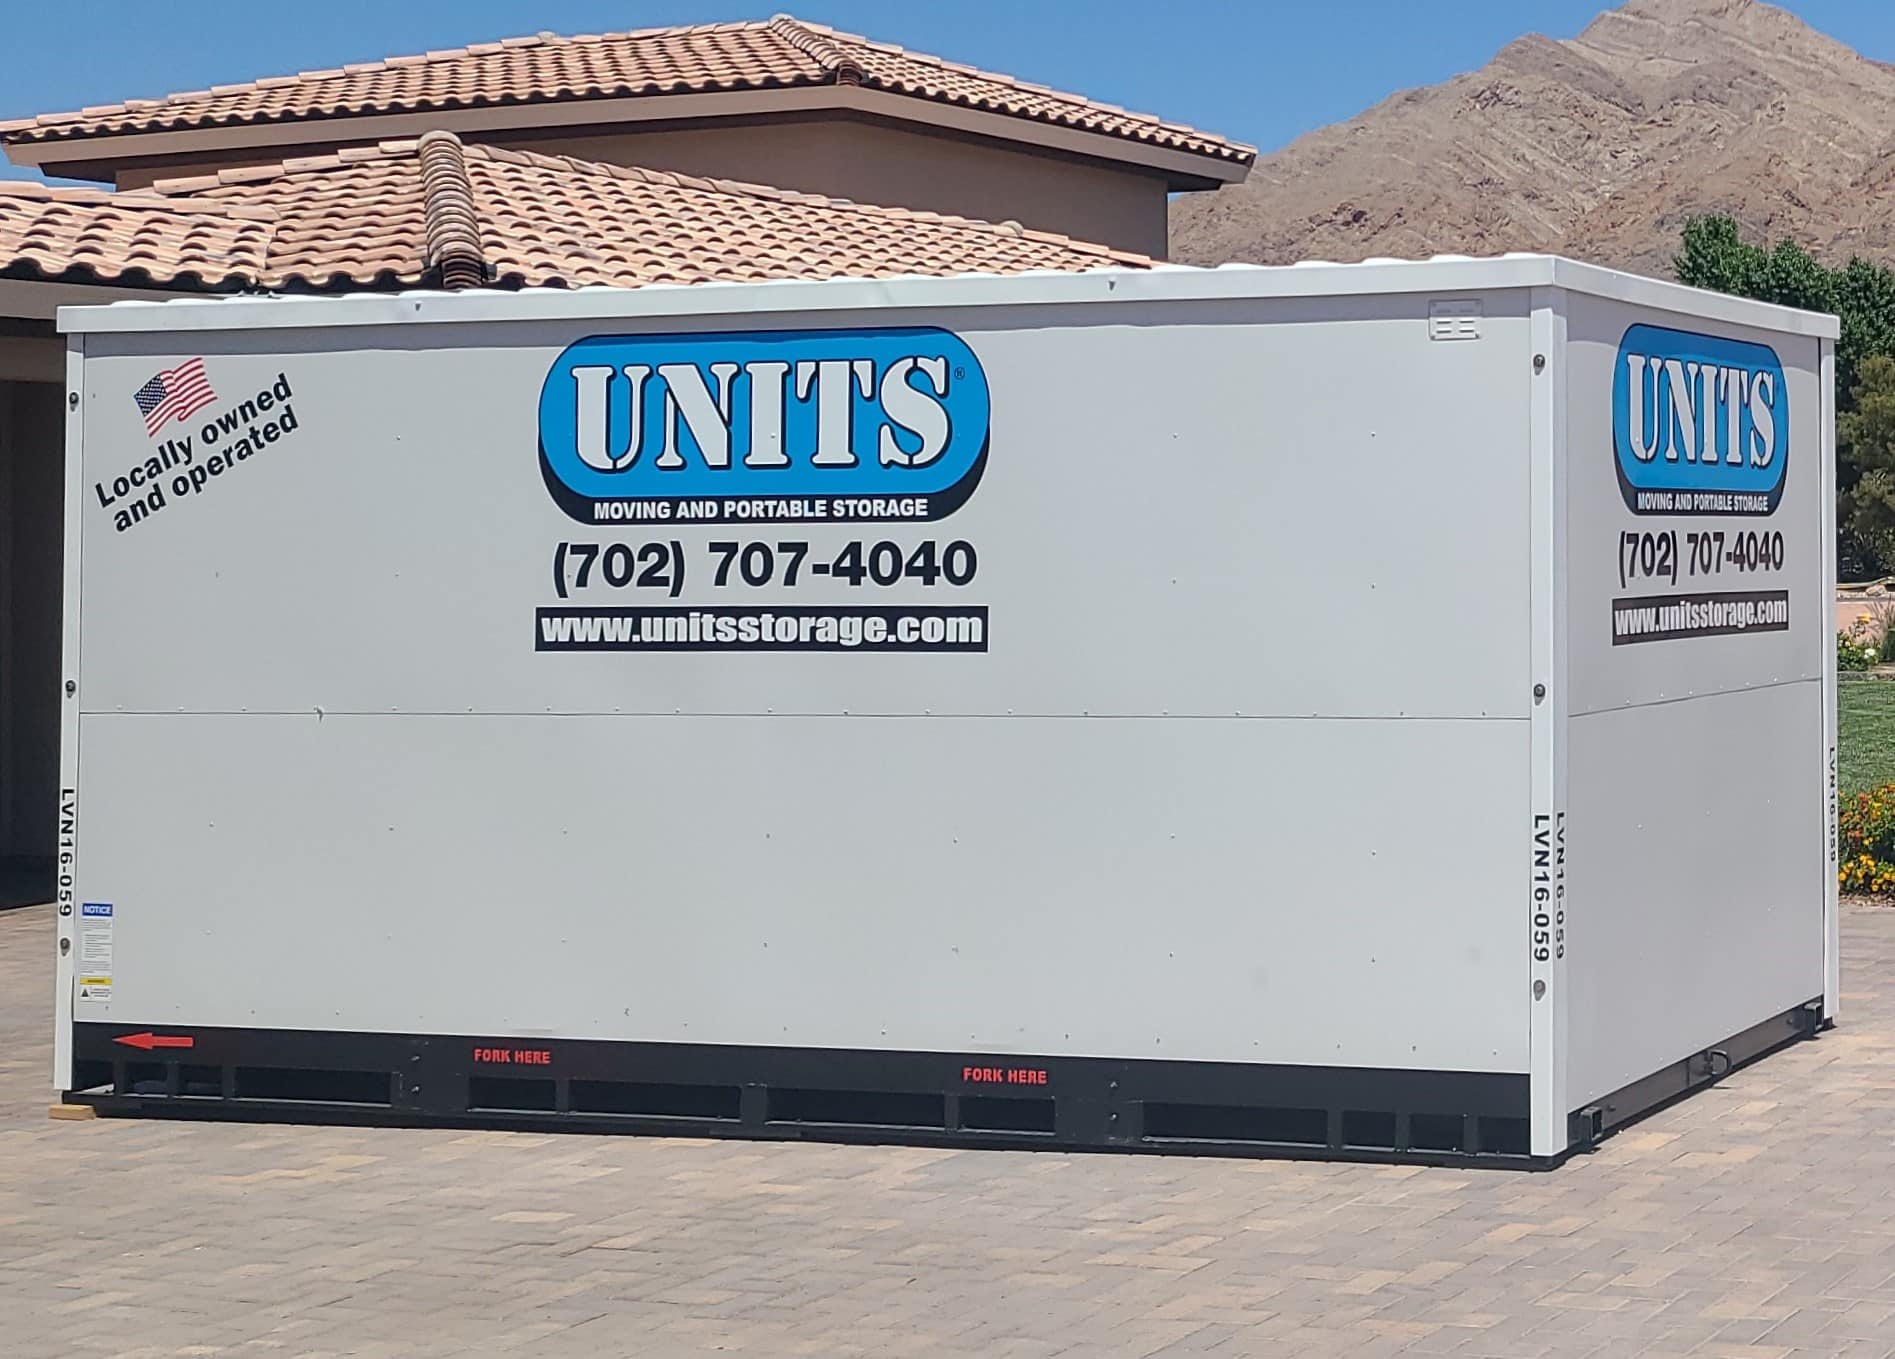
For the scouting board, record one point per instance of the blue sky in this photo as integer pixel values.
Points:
(1258, 70)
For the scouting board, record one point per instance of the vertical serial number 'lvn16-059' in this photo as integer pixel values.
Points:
(1549, 887)
(68, 846)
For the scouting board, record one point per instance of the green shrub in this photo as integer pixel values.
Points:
(1877, 633)
(1852, 654)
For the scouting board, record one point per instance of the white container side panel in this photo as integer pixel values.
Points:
(1697, 892)
(1255, 889)
(1259, 506)
(1698, 622)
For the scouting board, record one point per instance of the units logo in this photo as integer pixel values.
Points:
(1700, 424)
(845, 425)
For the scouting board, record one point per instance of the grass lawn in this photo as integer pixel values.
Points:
(1865, 719)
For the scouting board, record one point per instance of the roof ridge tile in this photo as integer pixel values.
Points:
(815, 45)
(451, 227)
(1072, 97)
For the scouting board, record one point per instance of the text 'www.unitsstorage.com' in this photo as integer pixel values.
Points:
(1664, 618)
(810, 628)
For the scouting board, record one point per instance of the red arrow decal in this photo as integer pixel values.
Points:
(145, 1042)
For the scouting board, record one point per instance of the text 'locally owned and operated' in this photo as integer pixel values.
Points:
(187, 465)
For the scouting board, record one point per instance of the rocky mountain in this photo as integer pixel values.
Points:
(1597, 147)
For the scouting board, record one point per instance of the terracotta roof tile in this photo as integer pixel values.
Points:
(95, 235)
(779, 53)
(408, 213)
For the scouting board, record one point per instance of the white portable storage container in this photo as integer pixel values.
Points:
(1381, 710)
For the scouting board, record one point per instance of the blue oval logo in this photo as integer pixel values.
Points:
(791, 425)
(1700, 424)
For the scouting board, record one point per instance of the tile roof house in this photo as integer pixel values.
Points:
(780, 102)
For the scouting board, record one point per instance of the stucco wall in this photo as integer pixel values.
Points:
(840, 157)
(876, 163)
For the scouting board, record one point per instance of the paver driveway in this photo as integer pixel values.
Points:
(1755, 1220)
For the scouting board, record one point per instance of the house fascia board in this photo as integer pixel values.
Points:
(40, 299)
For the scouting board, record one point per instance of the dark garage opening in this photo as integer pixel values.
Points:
(32, 463)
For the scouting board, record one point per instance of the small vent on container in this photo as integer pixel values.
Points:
(312, 1087)
(1369, 1129)
(502, 1095)
(996, 1113)
(858, 1108)
(1236, 1123)
(1504, 1136)
(652, 1100)
(1437, 1132)
(639, 1099)
(1454, 319)
(144, 1078)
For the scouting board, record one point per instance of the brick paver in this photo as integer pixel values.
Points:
(1755, 1220)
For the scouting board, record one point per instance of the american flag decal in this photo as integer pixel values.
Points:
(175, 394)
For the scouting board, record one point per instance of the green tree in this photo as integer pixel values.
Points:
(1865, 439)
(1865, 300)
(1713, 254)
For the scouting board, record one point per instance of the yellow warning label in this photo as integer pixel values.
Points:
(95, 988)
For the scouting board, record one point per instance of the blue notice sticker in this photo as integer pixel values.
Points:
(96, 909)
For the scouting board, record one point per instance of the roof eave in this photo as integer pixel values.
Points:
(34, 295)
(91, 155)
